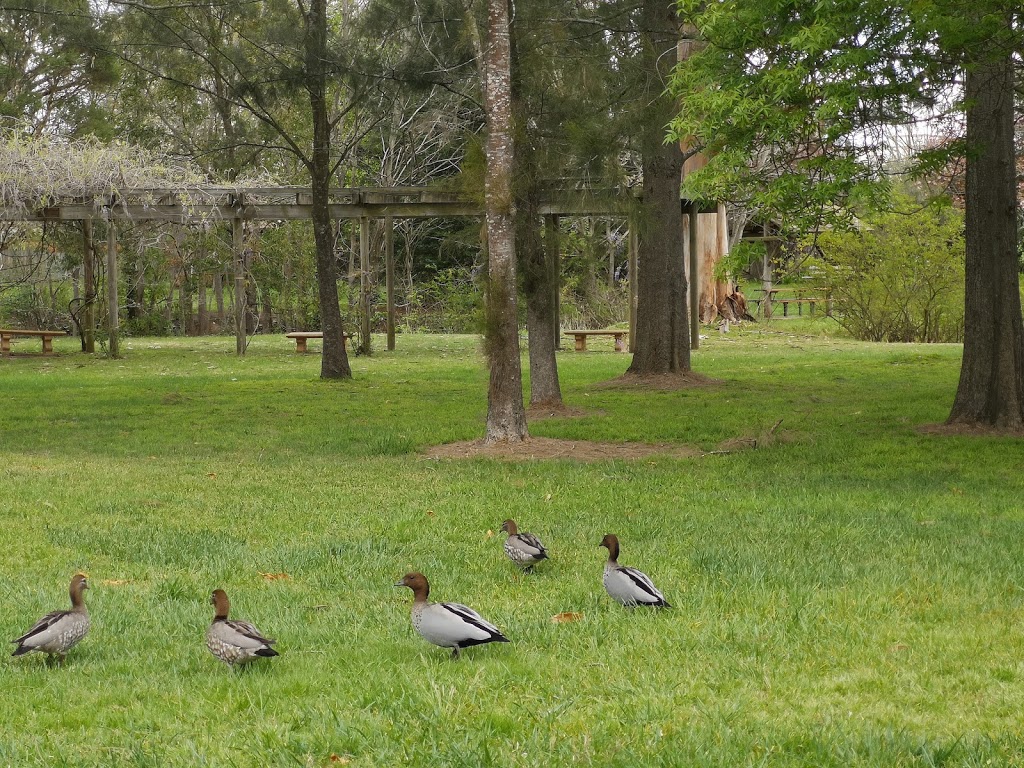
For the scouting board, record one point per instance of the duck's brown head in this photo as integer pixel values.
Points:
(510, 527)
(79, 583)
(418, 583)
(221, 604)
(611, 541)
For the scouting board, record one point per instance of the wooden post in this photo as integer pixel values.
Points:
(694, 276)
(552, 245)
(89, 289)
(611, 253)
(236, 240)
(364, 285)
(634, 247)
(112, 315)
(389, 276)
(723, 238)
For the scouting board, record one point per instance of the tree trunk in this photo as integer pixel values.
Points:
(533, 256)
(506, 416)
(662, 343)
(334, 362)
(991, 389)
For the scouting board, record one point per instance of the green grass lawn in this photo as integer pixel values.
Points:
(851, 594)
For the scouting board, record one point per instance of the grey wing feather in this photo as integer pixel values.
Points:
(250, 631)
(530, 542)
(42, 625)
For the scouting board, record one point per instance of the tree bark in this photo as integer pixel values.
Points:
(662, 343)
(991, 388)
(334, 362)
(541, 323)
(506, 416)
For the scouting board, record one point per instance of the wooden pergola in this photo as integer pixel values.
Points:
(237, 205)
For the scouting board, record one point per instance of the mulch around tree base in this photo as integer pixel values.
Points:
(971, 430)
(551, 448)
(662, 382)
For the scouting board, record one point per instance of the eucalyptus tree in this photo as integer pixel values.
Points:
(54, 66)
(302, 73)
(810, 90)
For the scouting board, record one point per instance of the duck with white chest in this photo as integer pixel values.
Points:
(628, 586)
(448, 625)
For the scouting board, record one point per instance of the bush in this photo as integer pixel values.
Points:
(901, 277)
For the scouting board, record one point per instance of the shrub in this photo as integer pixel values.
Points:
(901, 277)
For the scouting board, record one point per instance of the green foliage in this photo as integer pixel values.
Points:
(147, 324)
(449, 302)
(791, 99)
(900, 277)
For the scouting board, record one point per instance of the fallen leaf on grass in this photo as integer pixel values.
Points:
(565, 618)
(340, 759)
(899, 647)
(211, 474)
(114, 582)
(490, 533)
(430, 513)
(274, 576)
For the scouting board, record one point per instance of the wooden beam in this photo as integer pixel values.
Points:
(89, 288)
(239, 256)
(364, 285)
(113, 326)
(389, 276)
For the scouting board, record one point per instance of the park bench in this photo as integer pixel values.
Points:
(301, 337)
(581, 338)
(6, 334)
(799, 301)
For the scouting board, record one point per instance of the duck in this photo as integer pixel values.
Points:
(448, 625)
(58, 632)
(232, 641)
(523, 549)
(628, 585)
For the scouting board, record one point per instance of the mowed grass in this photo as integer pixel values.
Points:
(850, 593)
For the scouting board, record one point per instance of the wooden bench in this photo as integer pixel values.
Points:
(6, 334)
(799, 301)
(581, 338)
(301, 337)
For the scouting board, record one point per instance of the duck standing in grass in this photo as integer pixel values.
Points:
(628, 585)
(523, 549)
(234, 642)
(56, 633)
(449, 625)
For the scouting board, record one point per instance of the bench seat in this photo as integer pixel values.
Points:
(6, 334)
(581, 337)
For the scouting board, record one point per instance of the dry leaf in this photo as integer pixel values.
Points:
(430, 513)
(490, 533)
(565, 618)
(340, 759)
(211, 474)
(548, 497)
(114, 582)
(274, 576)
(899, 647)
